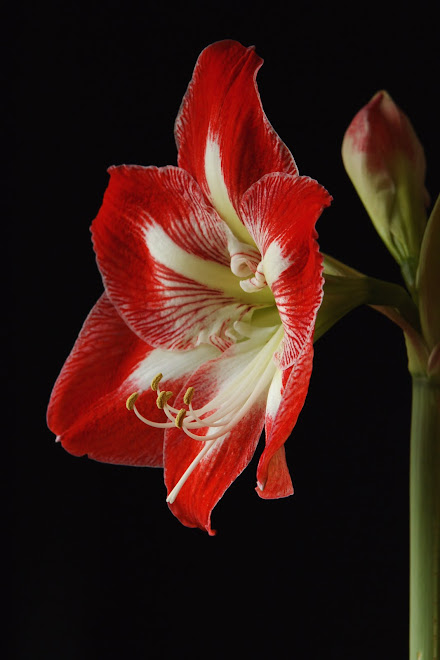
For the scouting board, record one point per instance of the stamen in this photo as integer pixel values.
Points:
(132, 400)
(155, 382)
(213, 421)
(162, 399)
(228, 422)
(131, 405)
(180, 417)
(156, 425)
(188, 396)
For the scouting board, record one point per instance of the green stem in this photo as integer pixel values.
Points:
(425, 521)
(342, 293)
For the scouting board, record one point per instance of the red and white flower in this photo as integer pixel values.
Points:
(212, 278)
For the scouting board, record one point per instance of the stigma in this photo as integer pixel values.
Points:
(246, 263)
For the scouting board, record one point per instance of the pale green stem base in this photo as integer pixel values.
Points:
(425, 521)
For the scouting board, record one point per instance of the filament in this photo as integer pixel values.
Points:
(223, 412)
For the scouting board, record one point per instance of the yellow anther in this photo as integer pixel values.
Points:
(188, 396)
(180, 417)
(162, 399)
(155, 382)
(132, 400)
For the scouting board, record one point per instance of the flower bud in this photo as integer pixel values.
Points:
(386, 164)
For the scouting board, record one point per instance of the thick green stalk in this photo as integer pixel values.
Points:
(425, 521)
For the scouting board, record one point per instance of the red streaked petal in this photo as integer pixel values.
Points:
(163, 256)
(111, 434)
(278, 480)
(285, 401)
(227, 457)
(87, 407)
(107, 363)
(224, 138)
(280, 212)
(104, 355)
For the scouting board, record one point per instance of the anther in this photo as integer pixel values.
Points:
(188, 396)
(180, 417)
(162, 399)
(132, 400)
(155, 382)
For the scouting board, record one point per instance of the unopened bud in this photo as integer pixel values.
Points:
(386, 164)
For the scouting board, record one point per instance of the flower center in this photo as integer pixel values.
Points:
(246, 262)
(222, 413)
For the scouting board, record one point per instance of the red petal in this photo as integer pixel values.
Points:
(161, 248)
(87, 407)
(108, 363)
(110, 433)
(272, 472)
(104, 355)
(280, 212)
(278, 480)
(225, 460)
(222, 106)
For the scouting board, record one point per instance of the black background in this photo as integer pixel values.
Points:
(100, 568)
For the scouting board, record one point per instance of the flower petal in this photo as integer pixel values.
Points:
(108, 362)
(280, 212)
(227, 457)
(224, 138)
(161, 248)
(285, 401)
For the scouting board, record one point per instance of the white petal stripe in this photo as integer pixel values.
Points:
(219, 193)
(208, 273)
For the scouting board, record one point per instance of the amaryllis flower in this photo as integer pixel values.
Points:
(212, 280)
